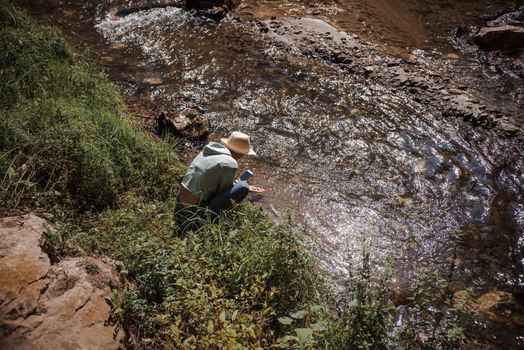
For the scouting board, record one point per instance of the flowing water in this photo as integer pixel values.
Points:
(354, 160)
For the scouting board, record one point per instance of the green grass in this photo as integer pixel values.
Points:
(219, 287)
(240, 283)
(63, 133)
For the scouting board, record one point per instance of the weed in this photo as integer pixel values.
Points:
(92, 268)
(66, 240)
(221, 286)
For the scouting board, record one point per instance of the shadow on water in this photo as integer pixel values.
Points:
(349, 156)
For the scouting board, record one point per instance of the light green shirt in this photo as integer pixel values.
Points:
(212, 171)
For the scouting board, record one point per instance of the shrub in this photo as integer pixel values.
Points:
(362, 316)
(219, 287)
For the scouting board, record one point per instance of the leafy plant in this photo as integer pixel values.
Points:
(66, 240)
(219, 287)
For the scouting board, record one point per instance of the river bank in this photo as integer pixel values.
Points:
(296, 100)
(70, 153)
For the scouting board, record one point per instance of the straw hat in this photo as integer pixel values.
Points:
(238, 142)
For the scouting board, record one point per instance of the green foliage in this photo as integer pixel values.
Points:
(92, 268)
(306, 328)
(366, 312)
(430, 320)
(66, 240)
(363, 317)
(62, 129)
(220, 287)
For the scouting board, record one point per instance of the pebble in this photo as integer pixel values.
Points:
(455, 91)
(153, 81)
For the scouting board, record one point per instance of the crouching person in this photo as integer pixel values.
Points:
(210, 179)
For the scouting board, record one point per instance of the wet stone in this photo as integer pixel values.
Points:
(341, 57)
(506, 38)
(509, 128)
(190, 123)
(514, 18)
(393, 63)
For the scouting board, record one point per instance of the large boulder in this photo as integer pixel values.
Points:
(44, 306)
(505, 38)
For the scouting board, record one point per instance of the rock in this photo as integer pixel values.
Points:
(154, 81)
(514, 18)
(51, 307)
(188, 123)
(341, 57)
(369, 69)
(509, 39)
(393, 63)
(495, 306)
(508, 129)
(22, 262)
(456, 92)
(215, 9)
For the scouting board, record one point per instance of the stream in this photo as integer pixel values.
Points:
(357, 161)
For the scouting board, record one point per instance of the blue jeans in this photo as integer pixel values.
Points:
(218, 203)
(223, 201)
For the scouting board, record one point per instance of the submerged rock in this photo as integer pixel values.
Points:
(494, 305)
(215, 9)
(504, 38)
(513, 18)
(44, 306)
